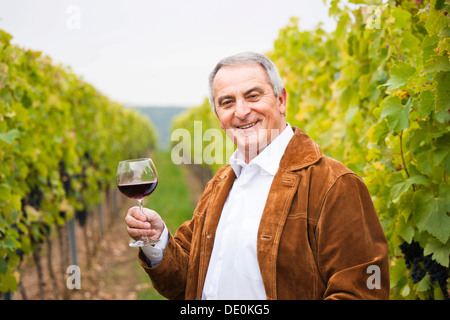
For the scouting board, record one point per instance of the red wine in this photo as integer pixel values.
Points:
(138, 191)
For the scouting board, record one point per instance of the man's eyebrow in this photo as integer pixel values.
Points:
(257, 89)
(220, 99)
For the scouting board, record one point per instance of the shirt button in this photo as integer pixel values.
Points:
(221, 255)
(208, 236)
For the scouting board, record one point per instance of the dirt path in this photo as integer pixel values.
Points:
(106, 264)
(112, 275)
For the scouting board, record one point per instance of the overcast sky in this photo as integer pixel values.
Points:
(152, 52)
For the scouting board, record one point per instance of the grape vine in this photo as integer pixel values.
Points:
(424, 268)
(60, 142)
(376, 97)
(374, 93)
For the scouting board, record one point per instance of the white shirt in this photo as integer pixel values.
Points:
(233, 271)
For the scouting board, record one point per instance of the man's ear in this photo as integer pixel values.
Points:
(282, 101)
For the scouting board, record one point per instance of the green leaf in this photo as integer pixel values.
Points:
(405, 291)
(399, 75)
(426, 102)
(438, 294)
(9, 243)
(444, 33)
(401, 185)
(442, 116)
(428, 46)
(410, 42)
(405, 230)
(401, 17)
(5, 191)
(378, 132)
(3, 263)
(439, 4)
(443, 91)
(10, 136)
(424, 284)
(430, 213)
(430, 159)
(436, 22)
(396, 113)
(440, 251)
(33, 215)
(397, 271)
(436, 63)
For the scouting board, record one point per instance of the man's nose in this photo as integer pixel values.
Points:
(242, 109)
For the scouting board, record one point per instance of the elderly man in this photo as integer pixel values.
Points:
(282, 221)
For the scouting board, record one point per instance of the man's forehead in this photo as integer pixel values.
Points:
(240, 74)
(247, 67)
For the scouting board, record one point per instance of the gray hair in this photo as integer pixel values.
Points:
(248, 58)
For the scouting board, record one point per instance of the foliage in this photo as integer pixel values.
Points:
(60, 142)
(375, 95)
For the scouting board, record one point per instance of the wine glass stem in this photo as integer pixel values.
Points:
(143, 238)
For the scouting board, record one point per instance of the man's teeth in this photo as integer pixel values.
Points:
(248, 125)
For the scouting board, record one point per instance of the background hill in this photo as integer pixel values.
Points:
(161, 118)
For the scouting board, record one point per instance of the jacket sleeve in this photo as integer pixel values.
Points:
(352, 247)
(169, 276)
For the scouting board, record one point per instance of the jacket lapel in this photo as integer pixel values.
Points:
(282, 191)
(220, 191)
(300, 153)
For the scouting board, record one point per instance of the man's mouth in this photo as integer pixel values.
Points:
(248, 125)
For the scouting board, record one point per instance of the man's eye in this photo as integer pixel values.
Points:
(253, 96)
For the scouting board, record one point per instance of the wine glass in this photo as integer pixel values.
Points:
(136, 179)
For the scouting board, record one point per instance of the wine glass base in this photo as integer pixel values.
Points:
(142, 243)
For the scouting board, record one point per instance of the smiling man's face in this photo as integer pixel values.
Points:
(247, 107)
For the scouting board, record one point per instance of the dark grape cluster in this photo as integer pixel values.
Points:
(65, 177)
(34, 198)
(81, 216)
(420, 265)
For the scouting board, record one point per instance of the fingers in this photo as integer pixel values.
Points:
(140, 223)
(138, 233)
(137, 219)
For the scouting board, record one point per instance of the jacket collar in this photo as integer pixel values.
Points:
(300, 153)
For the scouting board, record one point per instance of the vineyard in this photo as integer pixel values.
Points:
(374, 94)
(60, 142)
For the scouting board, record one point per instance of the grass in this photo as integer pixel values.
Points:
(172, 201)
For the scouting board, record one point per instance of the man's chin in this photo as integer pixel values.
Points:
(251, 148)
(249, 142)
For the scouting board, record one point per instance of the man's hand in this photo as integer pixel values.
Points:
(147, 223)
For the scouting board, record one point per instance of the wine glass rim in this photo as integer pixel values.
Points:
(136, 160)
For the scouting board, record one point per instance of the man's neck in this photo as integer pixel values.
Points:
(249, 155)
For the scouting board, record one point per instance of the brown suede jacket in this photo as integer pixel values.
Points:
(319, 235)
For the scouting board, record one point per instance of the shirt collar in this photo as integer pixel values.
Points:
(269, 159)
